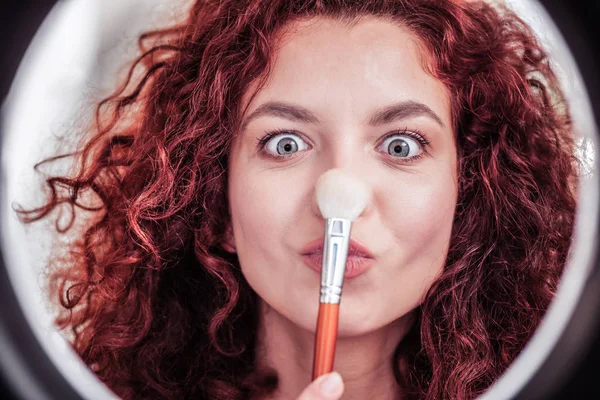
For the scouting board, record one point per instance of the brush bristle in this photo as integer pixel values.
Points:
(339, 195)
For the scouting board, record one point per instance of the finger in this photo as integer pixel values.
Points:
(326, 387)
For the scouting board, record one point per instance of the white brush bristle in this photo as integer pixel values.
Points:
(339, 195)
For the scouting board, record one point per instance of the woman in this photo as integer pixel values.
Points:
(191, 280)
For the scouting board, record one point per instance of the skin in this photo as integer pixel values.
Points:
(343, 75)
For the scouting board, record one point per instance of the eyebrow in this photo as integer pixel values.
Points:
(386, 115)
(404, 110)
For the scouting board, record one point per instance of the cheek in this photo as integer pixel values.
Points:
(421, 215)
(266, 209)
(419, 220)
(263, 206)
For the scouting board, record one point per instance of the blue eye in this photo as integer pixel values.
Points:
(285, 144)
(401, 146)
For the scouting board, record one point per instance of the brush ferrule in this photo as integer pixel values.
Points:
(335, 253)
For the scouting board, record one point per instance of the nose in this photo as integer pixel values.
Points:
(341, 192)
(314, 205)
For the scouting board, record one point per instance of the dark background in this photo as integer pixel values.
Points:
(578, 20)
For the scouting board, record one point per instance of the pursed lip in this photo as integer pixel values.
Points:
(355, 248)
(359, 260)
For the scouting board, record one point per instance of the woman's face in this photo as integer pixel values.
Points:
(352, 97)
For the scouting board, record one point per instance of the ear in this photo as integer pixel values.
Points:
(228, 242)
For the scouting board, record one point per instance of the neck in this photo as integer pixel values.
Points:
(365, 361)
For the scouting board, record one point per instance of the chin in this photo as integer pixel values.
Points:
(349, 329)
(350, 326)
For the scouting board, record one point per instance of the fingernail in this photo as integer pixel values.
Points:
(331, 384)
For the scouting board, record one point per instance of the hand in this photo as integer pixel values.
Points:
(326, 387)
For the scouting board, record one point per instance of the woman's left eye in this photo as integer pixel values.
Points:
(401, 146)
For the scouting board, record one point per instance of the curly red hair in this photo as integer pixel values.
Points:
(159, 309)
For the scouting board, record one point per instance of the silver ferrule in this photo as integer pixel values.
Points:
(335, 253)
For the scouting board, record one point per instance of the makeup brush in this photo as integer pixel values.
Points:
(341, 199)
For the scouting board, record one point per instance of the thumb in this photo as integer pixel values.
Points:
(326, 387)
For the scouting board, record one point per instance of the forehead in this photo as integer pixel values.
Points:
(360, 64)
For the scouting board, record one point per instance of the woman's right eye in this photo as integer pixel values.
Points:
(284, 144)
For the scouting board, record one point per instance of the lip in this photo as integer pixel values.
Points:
(355, 248)
(359, 260)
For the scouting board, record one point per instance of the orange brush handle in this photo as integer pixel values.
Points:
(327, 327)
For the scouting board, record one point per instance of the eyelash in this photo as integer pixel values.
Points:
(262, 142)
(414, 134)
